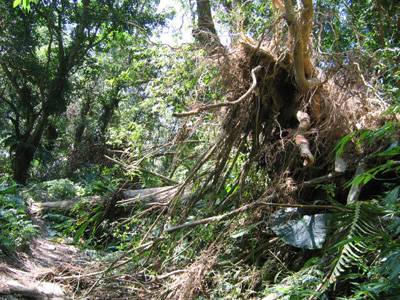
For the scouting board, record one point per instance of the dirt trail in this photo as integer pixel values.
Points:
(37, 273)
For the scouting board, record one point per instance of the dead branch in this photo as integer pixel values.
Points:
(162, 177)
(317, 180)
(151, 153)
(228, 103)
(247, 256)
(259, 202)
(220, 217)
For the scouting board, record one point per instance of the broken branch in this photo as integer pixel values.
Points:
(301, 141)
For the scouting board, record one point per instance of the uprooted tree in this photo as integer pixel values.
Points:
(286, 106)
(294, 125)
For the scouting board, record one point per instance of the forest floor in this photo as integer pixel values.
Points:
(50, 269)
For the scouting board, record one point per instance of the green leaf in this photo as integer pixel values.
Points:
(245, 231)
(8, 189)
(308, 232)
(83, 227)
(394, 149)
(80, 232)
(392, 196)
(395, 272)
(16, 3)
(341, 144)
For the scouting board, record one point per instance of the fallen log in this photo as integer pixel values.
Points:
(158, 195)
(30, 290)
(129, 198)
(151, 194)
(62, 206)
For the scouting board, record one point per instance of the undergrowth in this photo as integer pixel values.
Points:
(16, 228)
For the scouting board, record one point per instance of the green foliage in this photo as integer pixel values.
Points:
(235, 16)
(117, 95)
(145, 126)
(365, 227)
(54, 190)
(298, 285)
(61, 189)
(59, 226)
(16, 228)
(39, 57)
(379, 279)
(25, 4)
(367, 141)
(358, 234)
(302, 231)
(93, 218)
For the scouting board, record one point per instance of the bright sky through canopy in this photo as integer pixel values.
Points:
(179, 29)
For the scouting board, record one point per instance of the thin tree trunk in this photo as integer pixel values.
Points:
(80, 128)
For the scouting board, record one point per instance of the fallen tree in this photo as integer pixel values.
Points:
(286, 140)
(126, 198)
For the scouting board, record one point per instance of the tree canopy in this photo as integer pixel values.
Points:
(41, 48)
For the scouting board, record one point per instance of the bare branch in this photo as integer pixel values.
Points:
(259, 202)
(221, 217)
(162, 177)
(228, 103)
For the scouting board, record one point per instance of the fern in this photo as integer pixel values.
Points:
(358, 234)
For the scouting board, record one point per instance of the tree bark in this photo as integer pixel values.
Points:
(205, 33)
(80, 128)
(300, 30)
(25, 150)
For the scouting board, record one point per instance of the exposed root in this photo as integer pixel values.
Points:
(301, 141)
(278, 128)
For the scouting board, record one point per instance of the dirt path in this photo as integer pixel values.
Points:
(36, 274)
(45, 270)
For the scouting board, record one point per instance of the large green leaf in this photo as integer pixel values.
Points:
(307, 232)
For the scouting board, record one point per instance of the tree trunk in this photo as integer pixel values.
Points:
(205, 33)
(25, 151)
(21, 162)
(205, 20)
(80, 128)
(108, 109)
(300, 30)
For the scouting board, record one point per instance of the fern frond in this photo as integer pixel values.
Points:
(356, 227)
